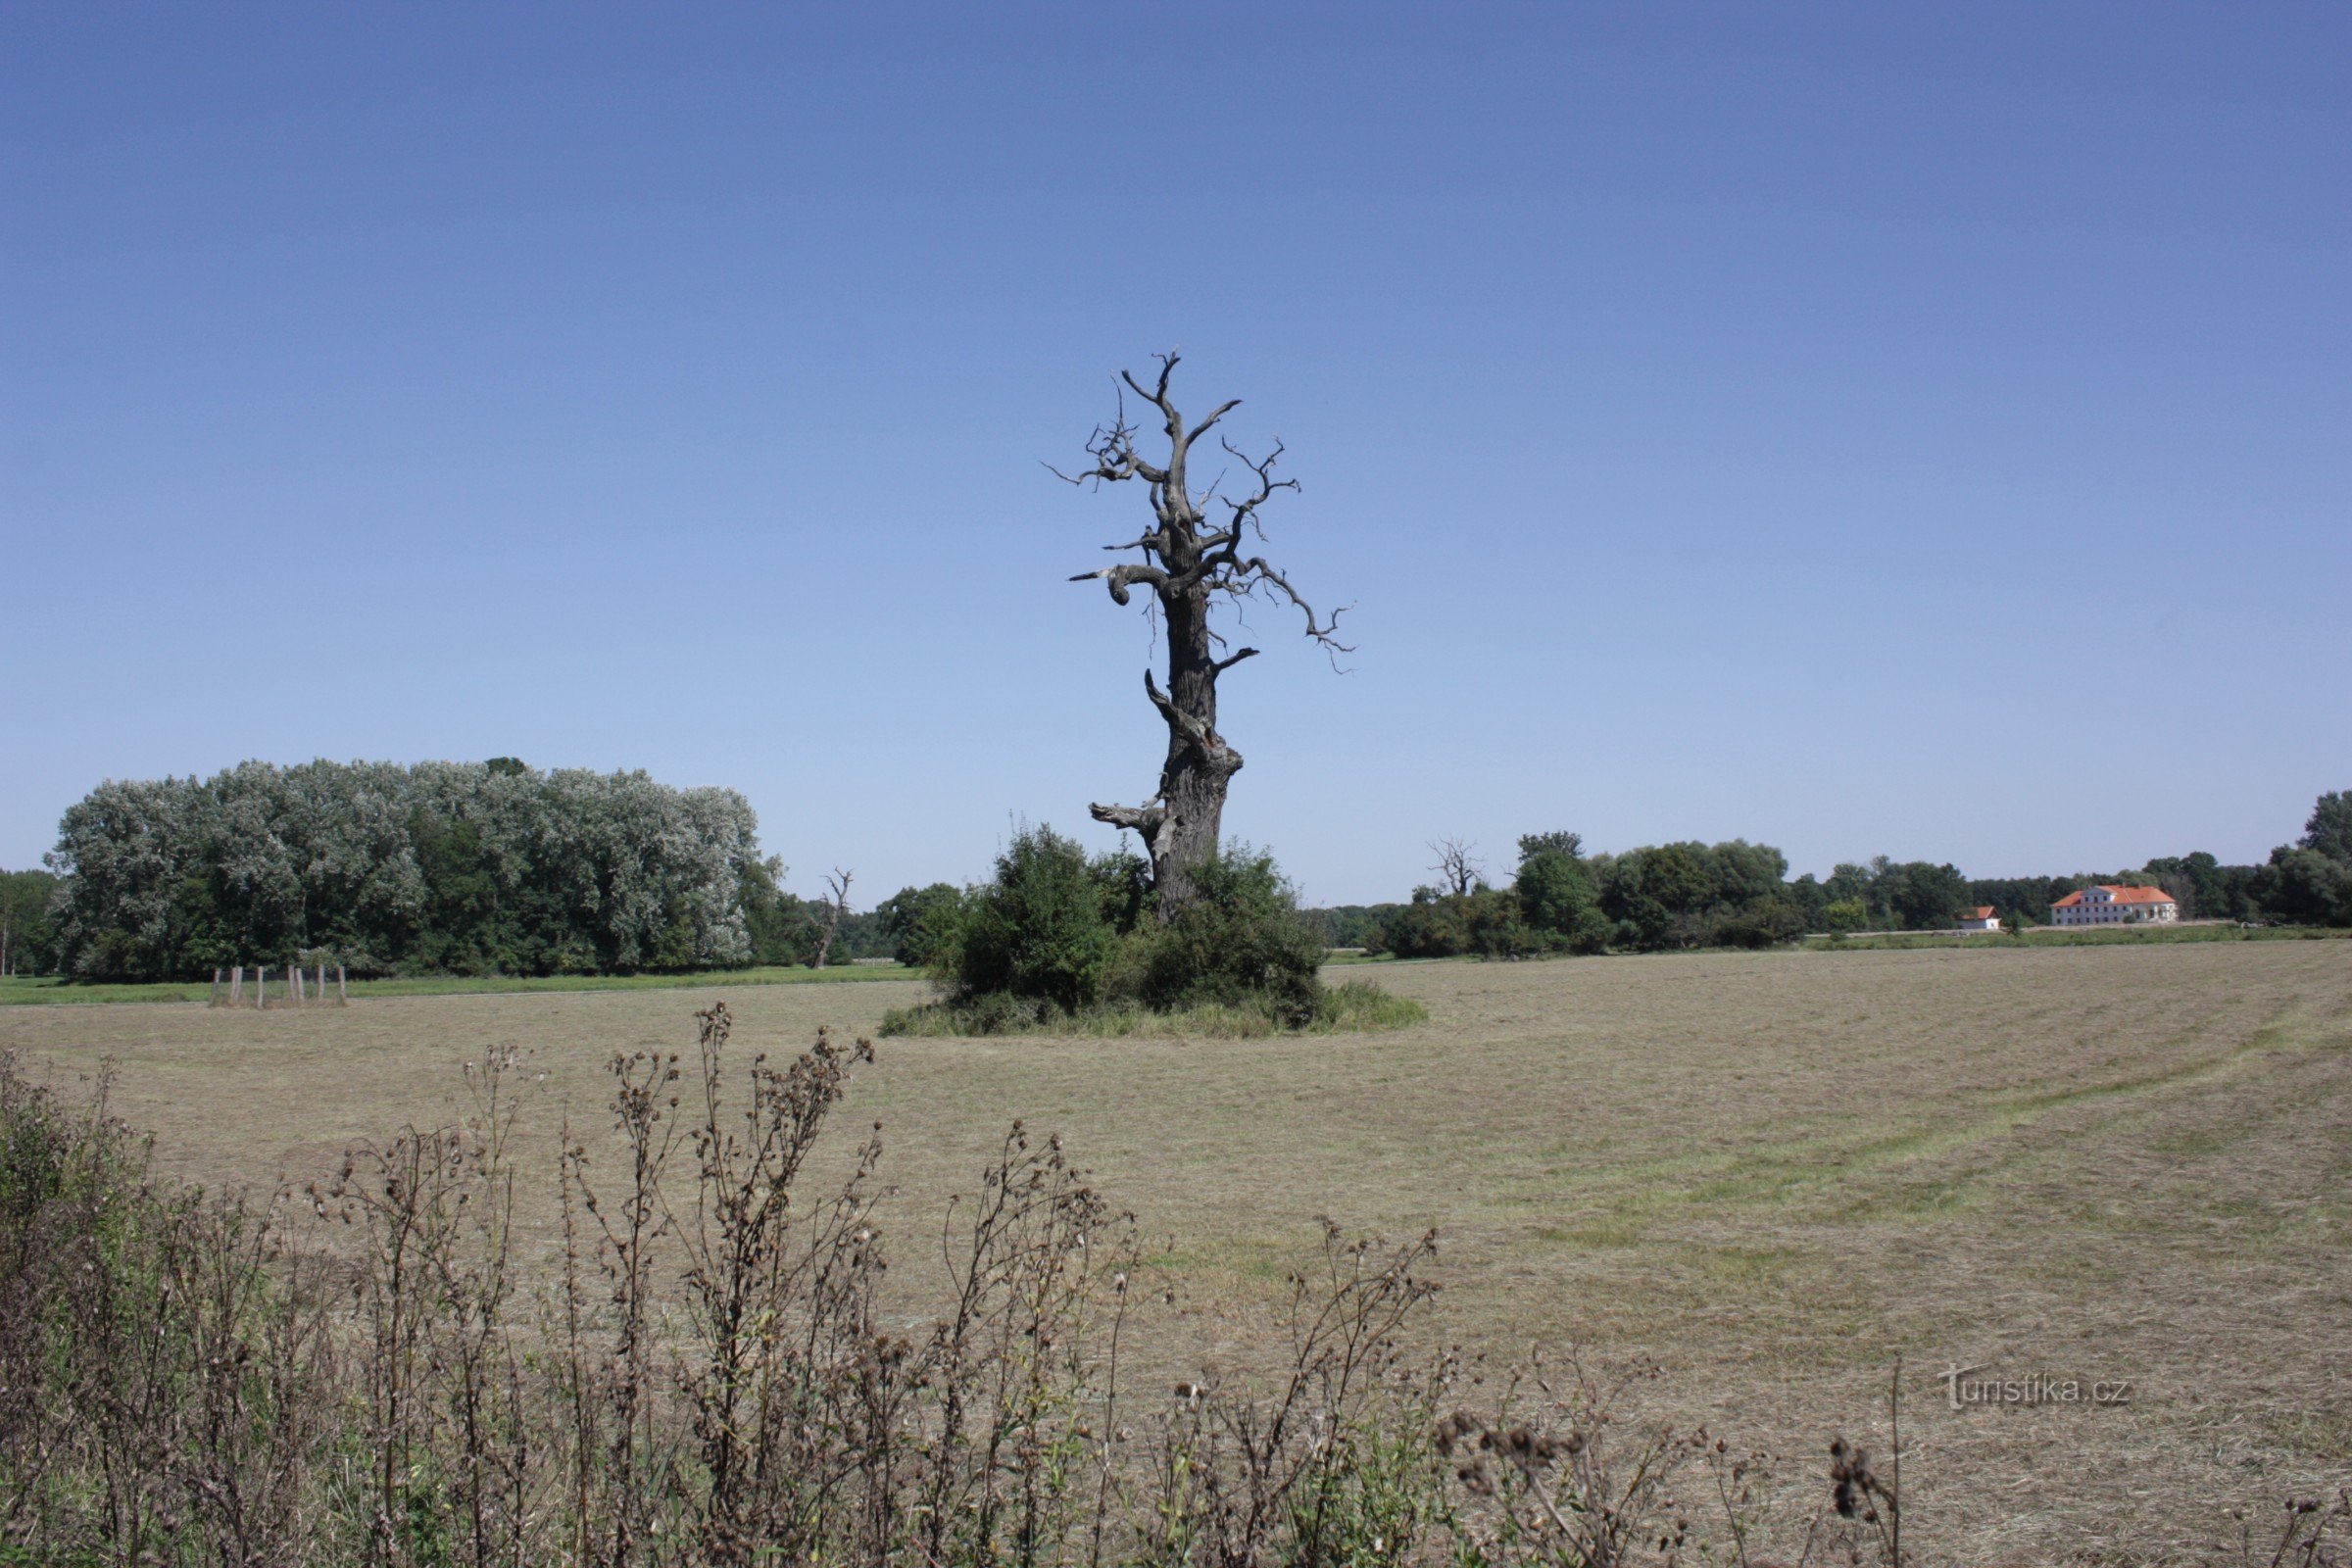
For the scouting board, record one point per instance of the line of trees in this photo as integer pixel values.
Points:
(1738, 894)
(499, 868)
(442, 867)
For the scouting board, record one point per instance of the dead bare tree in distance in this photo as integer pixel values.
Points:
(1457, 866)
(1188, 562)
(837, 884)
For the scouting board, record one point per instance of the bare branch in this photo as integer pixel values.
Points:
(1112, 447)
(1256, 570)
(1457, 864)
(1222, 551)
(1145, 818)
(1157, 396)
(1120, 578)
(1218, 413)
(1246, 510)
(1224, 664)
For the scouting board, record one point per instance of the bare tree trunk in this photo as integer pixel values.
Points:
(1188, 564)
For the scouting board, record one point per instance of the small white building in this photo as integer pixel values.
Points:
(2108, 905)
(1979, 919)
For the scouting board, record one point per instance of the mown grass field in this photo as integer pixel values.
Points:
(40, 991)
(1770, 1174)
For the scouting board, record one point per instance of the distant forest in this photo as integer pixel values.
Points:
(500, 868)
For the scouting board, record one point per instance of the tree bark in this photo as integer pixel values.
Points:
(1199, 765)
(1187, 562)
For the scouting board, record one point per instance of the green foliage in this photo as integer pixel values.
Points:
(1568, 846)
(27, 934)
(1124, 881)
(1693, 895)
(56, 991)
(1557, 895)
(1924, 897)
(457, 867)
(919, 923)
(777, 926)
(1058, 940)
(2329, 831)
(1352, 1007)
(1044, 930)
(1737, 894)
(2309, 888)
(1242, 938)
(1434, 925)
(1491, 920)
(1350, 925)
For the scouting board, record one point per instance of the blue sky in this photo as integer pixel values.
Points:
(1854, 428)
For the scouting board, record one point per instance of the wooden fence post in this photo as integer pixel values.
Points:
(236, 985)
(294, 983)
(261, 986)
(342, 992)
(216, 1000)
(322, 988)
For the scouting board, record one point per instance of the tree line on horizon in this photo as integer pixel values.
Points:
(1737, 894)
(500, 868)
(438, 868)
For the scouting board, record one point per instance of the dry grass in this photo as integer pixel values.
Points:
(1771, 1173)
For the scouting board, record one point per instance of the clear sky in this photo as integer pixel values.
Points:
(1922, 430)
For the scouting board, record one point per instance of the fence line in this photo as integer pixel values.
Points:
(298, 988)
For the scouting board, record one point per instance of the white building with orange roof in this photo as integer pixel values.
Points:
(2108, 905)
(1982, 917)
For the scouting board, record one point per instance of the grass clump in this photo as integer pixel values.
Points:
(1061, 943)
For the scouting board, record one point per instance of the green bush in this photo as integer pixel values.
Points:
(1556, 896)
(1762, 924)
(920, 923)
(1434, 925)
(1045, 929)
(1242, 938)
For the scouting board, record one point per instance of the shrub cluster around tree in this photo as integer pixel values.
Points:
(1056, 935)
(442, 867)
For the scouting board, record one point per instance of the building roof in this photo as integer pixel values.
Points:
(2121, 895)
(1982, 912)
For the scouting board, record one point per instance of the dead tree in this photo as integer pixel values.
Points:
(1457, 866)
(1191, 562)
(837, 906)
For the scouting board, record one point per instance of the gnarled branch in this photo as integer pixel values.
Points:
(1144, 819)
(1182, 723)
(1255, 570)
(1121, 577)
